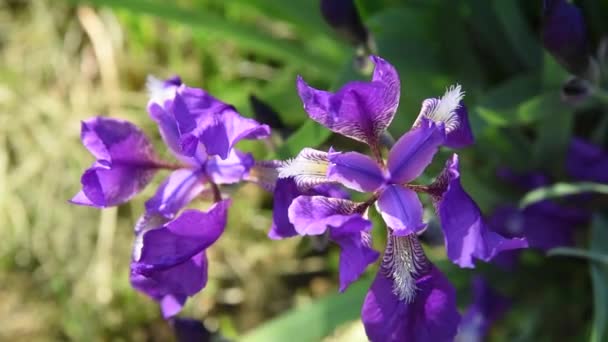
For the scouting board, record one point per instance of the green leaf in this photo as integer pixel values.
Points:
(561, 190)
(244, 35)
(579, 253)
(314, 321)
(518, 32)
(599, 279)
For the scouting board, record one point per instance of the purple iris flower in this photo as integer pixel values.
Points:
(409, 299)
(488, 306)
(169, 262)
(587, 162)
(565, 35)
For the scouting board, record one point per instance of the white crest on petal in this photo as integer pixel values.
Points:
(308, 169)
(158, 90)
(144, 224)
(404, 262)
(443, 109)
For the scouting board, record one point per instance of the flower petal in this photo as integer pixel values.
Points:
(587, 162)
(179, 189)
(487, 307)
(312, 215)
(431, 316)
(565, 35)
(451, 111)
(215, 124)
(466, 234)
(401, 210)
(181, 239)
(285, 192)
(355, 171)
(356, 251)
(231, 169)
(414, 151)
(359, 110)
(308, 168)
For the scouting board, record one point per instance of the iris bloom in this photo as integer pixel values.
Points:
(409, 300)
(169, 262)
(488, 306)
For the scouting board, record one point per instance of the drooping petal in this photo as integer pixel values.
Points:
(355, 171)
(451, 111)
(488, 306)
(161, 91)
(359, 110)
(431, 316)
(466, 234)
(308, 168)
(414, 151)
(587, 162)
(356, 251)
(171, 287)
(286, 190)
(201, 118)
(181, 239)
(401, 210)
(230, 170)
(126, 162)
(313, 215)
(565, 35)
(179, 189)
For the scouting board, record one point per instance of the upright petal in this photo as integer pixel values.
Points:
(216, 125)
(356, 171)
(430, 316)
(587, 162)
(359, 110)
(451, 111)
(401, 210)
(488, 306)
(231, 169)
(466, 234)
(179, 189)
(565, 35)
(414, 151)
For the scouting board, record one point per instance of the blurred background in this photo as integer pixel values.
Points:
(64, 269)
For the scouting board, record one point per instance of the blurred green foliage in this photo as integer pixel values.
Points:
(64, 269)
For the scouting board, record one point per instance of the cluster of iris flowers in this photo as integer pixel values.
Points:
(410, 299)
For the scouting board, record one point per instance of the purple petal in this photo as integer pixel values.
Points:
(414, 151)
(190, 330)
(312, 215)
(401, 210)
(356, 252)
(231, 169)
(359, 110)
(216, 125)
(431, 316)
(179, 189)
(285, 192)
(172, 286)
(181, 239)
(565, 35)
(488, 306)
(451, 111)
(587, 162)
(126, 162)
(356, 171)
(466, 235)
